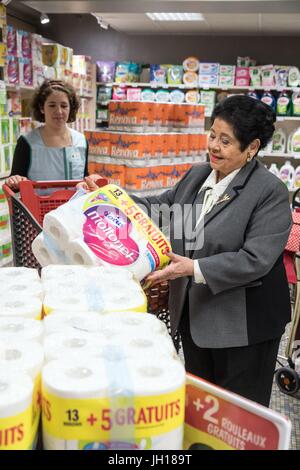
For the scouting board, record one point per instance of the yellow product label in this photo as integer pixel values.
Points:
(19, 432)
(97, 420)
(158, 245)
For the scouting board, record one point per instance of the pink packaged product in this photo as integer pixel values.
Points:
(13, 70)
(133, 94)
(242, 72)
(12, 47)
(242, 81)
(119, 93)
(25, 72)
(24, 44)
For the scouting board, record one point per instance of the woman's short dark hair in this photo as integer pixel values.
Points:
(45, 90)
(250, 119)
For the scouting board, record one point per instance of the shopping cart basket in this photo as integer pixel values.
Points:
(27, 210)
(287, 377)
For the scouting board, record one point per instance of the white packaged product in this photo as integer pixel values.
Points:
(20, 329)
(132, 321)
(8, 275)
(25, 356)
(16, 395)
(137, 404)
(60, 321)
(30, 307)
(72, 344)
(106, 227)
(21, 289)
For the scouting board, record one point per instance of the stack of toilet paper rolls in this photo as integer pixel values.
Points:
(21, 293)
(119, 385)
(105, 227)
(94, 289)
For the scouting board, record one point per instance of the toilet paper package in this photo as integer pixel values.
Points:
(106, 227)
(20, 329)
(18, 417)
(118, 403)
(47, 252)
(25, 356)
(21, 289)
(28, 307)
(133, 322)
(8, 275)
(60, 321)
(92, 289)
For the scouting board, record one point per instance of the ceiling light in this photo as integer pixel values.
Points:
(44, 19)
(176, 16)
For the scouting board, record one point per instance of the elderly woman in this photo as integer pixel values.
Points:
(229, 295)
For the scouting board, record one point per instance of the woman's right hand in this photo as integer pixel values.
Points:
(14, 181)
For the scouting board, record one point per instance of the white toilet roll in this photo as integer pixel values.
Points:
(137, 404)
(24, 307)
(135, 322)
(22, 289)
(11, 274)
(61, 322)
(20, 329)
(73, 344)
(47, 252)
(72, 302)
(65, 223)
(132, 344)
(17, 425)
(79, 253)
(26, 356)
(62, 272)
(15, 392)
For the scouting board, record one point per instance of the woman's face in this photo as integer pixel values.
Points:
(224, 150)
(56, 109)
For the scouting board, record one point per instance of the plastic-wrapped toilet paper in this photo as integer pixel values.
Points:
(46, 252)
(57, 272)
(93, 289)
(58, 321)
(23, 307)
(106, 227)
(8, 275)
(21, 289)
(72, 344)
(26, 356)
(20, 329)
(119, 404)
(132, 321)
(16, 410)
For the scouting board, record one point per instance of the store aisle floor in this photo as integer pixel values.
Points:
(286, 405)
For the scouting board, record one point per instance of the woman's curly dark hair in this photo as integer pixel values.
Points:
(45, 90)
(250, 119)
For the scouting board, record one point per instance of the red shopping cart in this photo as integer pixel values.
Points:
(27, 210)
(287, 377)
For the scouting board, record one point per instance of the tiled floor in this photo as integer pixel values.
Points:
(287, 405)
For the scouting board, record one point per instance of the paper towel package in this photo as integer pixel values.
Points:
(19, 329)
(138, 404)
(107, 227)
(16, 411)
(25, 356)
(95, 289)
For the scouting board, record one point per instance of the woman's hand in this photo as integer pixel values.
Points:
(14, 181)
(180, 266)
(89, 183)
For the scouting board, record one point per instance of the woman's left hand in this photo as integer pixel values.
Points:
(180, 266)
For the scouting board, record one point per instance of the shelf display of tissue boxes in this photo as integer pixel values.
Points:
(105, 227)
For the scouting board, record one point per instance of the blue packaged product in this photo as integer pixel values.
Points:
(134, 72)
(158, 74)
(269, 99)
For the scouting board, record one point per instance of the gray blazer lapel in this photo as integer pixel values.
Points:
(236, 185)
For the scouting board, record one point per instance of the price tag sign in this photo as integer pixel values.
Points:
(216, 419)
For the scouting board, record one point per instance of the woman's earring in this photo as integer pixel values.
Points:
(249, 158)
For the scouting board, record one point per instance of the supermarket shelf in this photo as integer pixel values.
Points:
(19, 88)
(203, 87)
(287, 118)
(279, 154)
